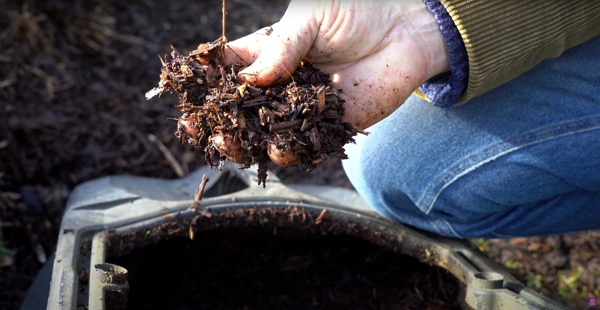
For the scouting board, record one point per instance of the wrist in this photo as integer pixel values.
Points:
(423, 26)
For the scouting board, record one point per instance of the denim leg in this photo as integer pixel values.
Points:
(521, 160)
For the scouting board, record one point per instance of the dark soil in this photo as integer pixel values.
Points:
(241, 269)
(297, 123)
(241, 258)
(72, 80)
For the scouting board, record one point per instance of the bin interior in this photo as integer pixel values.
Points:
(280, 268)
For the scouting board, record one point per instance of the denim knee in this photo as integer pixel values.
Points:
(379, 183)
(460, 174)
(528, 192)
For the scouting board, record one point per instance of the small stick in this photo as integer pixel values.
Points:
(168, 155)
(362, 132)
(223, 39)
(253, 104)
(320, 217)
(224, 12)
(284, 125)
(282, 67)
(199, 192)
(196, 204)
(191, 232)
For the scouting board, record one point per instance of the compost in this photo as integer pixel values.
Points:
(297, 123)
(276, 258)
(256, 269)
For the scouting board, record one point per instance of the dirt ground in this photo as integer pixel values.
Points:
(73, 75)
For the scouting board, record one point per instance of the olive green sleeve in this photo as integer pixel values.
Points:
(505, 38)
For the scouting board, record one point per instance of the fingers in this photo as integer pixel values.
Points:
(245, 50)
(275, 57)
(279, 57)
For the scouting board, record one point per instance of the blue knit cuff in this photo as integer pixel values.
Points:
(444, 90)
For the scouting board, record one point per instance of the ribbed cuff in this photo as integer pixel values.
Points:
(445, 90)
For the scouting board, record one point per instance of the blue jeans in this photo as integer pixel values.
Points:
(520, 160)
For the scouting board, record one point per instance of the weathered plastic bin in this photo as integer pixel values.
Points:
(101, 213)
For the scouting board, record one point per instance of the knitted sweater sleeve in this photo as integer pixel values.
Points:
(503, 39)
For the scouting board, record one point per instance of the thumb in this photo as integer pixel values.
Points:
(290, 41)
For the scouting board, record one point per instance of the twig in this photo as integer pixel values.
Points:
(282, 67)
(320, 217)
(362, 132)
(168, 155)
(9, 82)
(199, 192)
(223, 39)
(284, 125)
(39, 252)
(191, 232)
(224, 12)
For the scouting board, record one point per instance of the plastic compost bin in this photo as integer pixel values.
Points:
(101, 210)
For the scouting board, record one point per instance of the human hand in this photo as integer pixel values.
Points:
(377, 52)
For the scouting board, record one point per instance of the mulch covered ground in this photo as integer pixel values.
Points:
(73, 75)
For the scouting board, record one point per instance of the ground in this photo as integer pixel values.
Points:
(72, 80)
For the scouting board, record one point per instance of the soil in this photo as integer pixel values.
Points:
(297, 123)
(254, 269)
(72, 80)
(240, 258)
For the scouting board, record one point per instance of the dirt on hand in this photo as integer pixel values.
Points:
(297, 123)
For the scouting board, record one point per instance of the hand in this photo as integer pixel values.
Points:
(377, 52)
